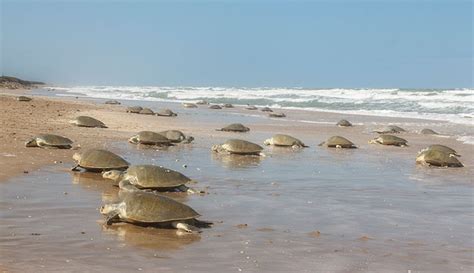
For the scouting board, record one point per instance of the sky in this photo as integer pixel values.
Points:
(313, 44)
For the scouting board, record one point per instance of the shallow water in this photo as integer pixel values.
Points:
(312, 210)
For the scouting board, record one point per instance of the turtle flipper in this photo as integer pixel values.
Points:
(112, 217)
(185, 227)
(75, 168)
(189, 190)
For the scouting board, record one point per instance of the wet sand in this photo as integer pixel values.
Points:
(314, 210)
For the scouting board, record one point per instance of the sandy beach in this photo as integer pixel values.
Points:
(370, 209)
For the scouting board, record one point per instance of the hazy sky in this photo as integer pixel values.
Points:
(240, 43)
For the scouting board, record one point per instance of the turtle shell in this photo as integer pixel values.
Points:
(146, 111)
(154, 208)
(202, 102)
(235, 127)
(391, 140)
(112, 102)
(166, 113)
(173, 135)
(239, 146)
(152, 177)
(189, 105)
(285, 140)
(438, 158)
(251, 107)
(215, 106)
(134, 109)
(442, 148)
(266, 109)
(53, 140)
(228, 105)
(96, 159)
(390, 129)
(85, 121)
(152, 138)
(23, 98)
(344, 123)
(336, 141)
(428, 132)
(277, 115)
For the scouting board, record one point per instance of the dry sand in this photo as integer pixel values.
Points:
(314, 210)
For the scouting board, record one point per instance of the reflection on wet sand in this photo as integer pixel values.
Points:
(95, 182)
(151, 238)
(237, 161)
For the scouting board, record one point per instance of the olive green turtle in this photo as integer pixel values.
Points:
(49, 141)
(251, 107)
(277, 115)
(166, 113)
(215, 106)
(176, 136)
(427, 131)
(234, 127)
(151, 177)
(202, 102)
(390, 129)
(189, 105)
(134, 109)
(389, 140)
(338, 142)
(23, 98)
(344, 123)
(145, 208)
(228, 105)
(86, 121)
(150, 138)
(266, 109)
(112, 102)
(441, 148)
(146, 111)
(433, 157)
(97, 160)
(284, 141)
(238, 146)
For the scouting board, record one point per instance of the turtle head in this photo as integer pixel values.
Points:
(188, 139)
(133, 139)
(31, 143)
(268, 141)
(107, 208)
(373, 141)
(113, 175)
(216, 147)
(76, 157)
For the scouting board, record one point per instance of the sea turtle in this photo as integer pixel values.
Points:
(189, 105)
(49, 141)
(150, 138)
(266, 109)
(147, 208)
(228, 105)
(176, 136)
(389, 140)
(166, 113)
(338, 142)
(433, 157)
(284, 140)
(234, 127)
(113, 102)
(151, 177)
(238, 146)
(146, 111)
(134, 109)
(85, 121)
(23, 98)
(344, 123)
(277, 115)
(202, 102)
(97, 160)
(441, 148)
(390, 129)
(427, 131)
(251, 107)
(215, 106)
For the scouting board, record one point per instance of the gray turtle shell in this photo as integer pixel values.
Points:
(239, 146)
(146, 111)
(166, 113)
(134, 109)
(112, 102)
(390, 129)
(235, 127)
(153, 177)
(53, 140)
(391, 140)
(173, 135)
(334, 141)
(97, 159)
(438, 158)
(251, 107)
(86, 121)
(344, 123)
(149, 137)
(442, 148)
(154, 208)
(189, 105)
(266, 109)
(228, 105)
(427, 131)
(277, 115)
(215, 106)
(286, 140)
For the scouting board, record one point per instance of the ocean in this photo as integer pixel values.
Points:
(453, 105)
